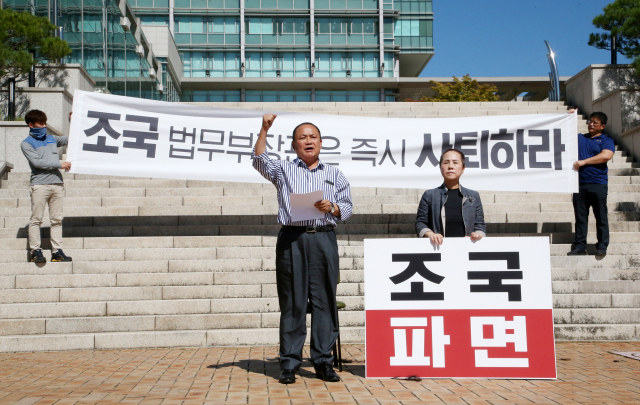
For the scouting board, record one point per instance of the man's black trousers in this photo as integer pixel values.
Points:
(307, 270)
(594, 196)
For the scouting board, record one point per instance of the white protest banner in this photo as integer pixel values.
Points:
(462, 310)
(124, 136)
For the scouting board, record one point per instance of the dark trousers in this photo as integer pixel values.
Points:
(594, 196)
(307, 270)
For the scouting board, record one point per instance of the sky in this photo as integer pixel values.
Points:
(506, 37)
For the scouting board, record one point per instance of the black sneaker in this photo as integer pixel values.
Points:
(37, 257)
(577, 251)
(59, 256)
(601, 252)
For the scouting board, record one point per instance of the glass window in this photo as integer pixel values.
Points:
(217, 25)
(287, 26)
(337, 26)
(231, 61)
(231, 25)
(371, 61)
(184, 25)
(267, 26)
(336, 61)
(324, 27)
(356, 60)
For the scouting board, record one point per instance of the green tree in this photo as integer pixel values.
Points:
(466, 89)
(22, 33)
(620, 19)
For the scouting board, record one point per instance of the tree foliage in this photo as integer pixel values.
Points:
(622, 20)
(22, 33)
(466, 89)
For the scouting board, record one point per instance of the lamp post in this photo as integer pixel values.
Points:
(12, 99)
(32, 71)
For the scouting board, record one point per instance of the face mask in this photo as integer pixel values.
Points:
(38, 133)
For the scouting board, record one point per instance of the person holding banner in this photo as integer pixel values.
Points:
(307, 263)
(46, 185)
(450, 210)
(595, 149)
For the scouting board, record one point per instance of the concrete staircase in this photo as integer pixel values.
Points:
(160, 263)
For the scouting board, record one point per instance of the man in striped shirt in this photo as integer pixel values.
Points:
(307, 264)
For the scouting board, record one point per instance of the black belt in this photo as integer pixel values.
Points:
(307, 229)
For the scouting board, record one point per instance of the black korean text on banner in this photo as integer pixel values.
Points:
(495, 277)
(416, 266)
(483, 149)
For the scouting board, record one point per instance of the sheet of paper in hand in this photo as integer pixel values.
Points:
(302, 208)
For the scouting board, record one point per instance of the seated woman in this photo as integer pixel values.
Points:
(450, 210)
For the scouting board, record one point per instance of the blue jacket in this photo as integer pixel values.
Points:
(431, 214)
(44, 159)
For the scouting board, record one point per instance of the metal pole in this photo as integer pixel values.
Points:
(554, 95)
(614, 50)
(12, 99)
(32, 71)
(55, 13)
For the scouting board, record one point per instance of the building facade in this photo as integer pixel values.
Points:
(245, 50)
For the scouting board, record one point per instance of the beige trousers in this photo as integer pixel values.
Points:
(41, 195)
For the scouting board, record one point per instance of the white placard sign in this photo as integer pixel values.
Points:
(462, 310)
(124, 136)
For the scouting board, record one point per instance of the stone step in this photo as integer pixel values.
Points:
(622, 165)
(622, 191)
(631, 260)
(597, 332)
(176, 300)
(494, 212)
(167, 205)
(153, 266)
(110, 228)
(244, 337)
(115, 206)
(618, 300)
(613, 249)
(617, 251)
(631, 274)
(597, 316)
(106, 324)
(156, 339)
(262, 284)
(615, 237)
(563, 216)
(634, 172)
(597, 287)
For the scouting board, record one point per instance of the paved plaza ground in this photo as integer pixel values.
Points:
(587, 374)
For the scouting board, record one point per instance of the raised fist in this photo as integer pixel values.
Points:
(267, 121)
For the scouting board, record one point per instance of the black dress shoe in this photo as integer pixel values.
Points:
(601, 252)
(577, 251)
(287, 376)
(325, 372)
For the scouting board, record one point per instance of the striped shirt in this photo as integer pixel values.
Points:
(295, 177)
